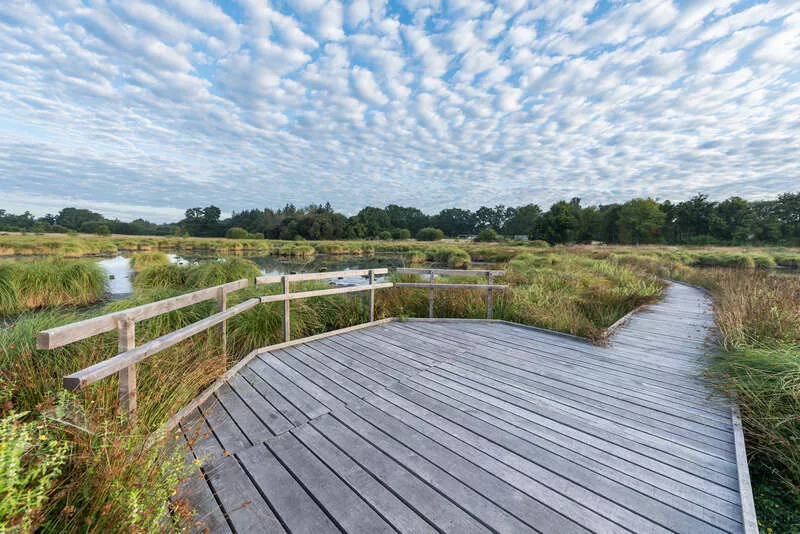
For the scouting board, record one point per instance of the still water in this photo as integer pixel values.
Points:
(120, 275)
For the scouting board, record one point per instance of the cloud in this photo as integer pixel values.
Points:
(148, 107)
(366, 88)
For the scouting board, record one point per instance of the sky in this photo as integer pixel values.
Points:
(143, 108)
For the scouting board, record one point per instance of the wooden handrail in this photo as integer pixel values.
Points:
(64, 335)
(451, 286)
(126, 359)
(449, 272)
(300, 277)
(282, 297)
(124, 321)
(431, 284)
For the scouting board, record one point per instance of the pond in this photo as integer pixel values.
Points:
(121, 276)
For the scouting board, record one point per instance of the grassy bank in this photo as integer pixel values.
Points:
(28, 285)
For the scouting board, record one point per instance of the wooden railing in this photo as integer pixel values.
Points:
(124, 322)
(432, 285)
(287, 296)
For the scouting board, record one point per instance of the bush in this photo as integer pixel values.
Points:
(385, 235)
(103, 230)
(237, 232)
(32, 459)
(401, 233)
(487, 235)
(430, 234)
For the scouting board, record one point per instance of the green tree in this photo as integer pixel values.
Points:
(374, 220)
(522, 220)
(74, 218)
(640, 221)
(560, 224)
(237, 232)
(487, 235)
(732, 220)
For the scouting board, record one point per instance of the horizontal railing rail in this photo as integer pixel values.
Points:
(287, 279)
(432, 285)
(124, 321)
(64, 335)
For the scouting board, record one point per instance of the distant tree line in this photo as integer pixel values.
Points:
(642, 220)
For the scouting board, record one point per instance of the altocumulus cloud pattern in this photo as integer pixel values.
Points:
(141, 107)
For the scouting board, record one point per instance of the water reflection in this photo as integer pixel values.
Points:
(121, 276)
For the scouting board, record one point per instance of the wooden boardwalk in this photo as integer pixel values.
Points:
(473, 426)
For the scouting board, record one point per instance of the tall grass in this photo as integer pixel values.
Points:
(111, 482)
(564, 292)
(186, 277)
(142, 260)
(48, 283)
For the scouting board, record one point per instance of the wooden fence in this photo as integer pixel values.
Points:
(432, 285)
(287, 296)
(124, 321)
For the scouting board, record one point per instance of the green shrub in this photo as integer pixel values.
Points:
(237, 232)
(430, 234)
(487, 235)
(385, 235)
(31, 460)
(401, 233)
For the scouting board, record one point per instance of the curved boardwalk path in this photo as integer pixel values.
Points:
(473, 426)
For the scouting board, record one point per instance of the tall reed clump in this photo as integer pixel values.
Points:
(47, 283)
(187, 277)
(142, 260)
(758, 315)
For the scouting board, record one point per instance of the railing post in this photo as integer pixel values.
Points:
(286, 320)
(489, 296)
(126, 340)
(371, 296)
(430, 297)
(222, 328)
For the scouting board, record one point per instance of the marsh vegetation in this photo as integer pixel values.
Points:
(575, 289)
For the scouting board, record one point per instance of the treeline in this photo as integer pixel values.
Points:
(698, 221)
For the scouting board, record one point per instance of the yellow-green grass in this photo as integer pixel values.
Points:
(27, 285)
(142, 260)
(559, 291)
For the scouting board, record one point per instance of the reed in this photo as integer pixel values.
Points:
(48, 283)
(142, 260)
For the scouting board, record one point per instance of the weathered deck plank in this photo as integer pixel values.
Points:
(475, 426)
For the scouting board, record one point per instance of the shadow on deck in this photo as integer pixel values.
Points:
(473, 426)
